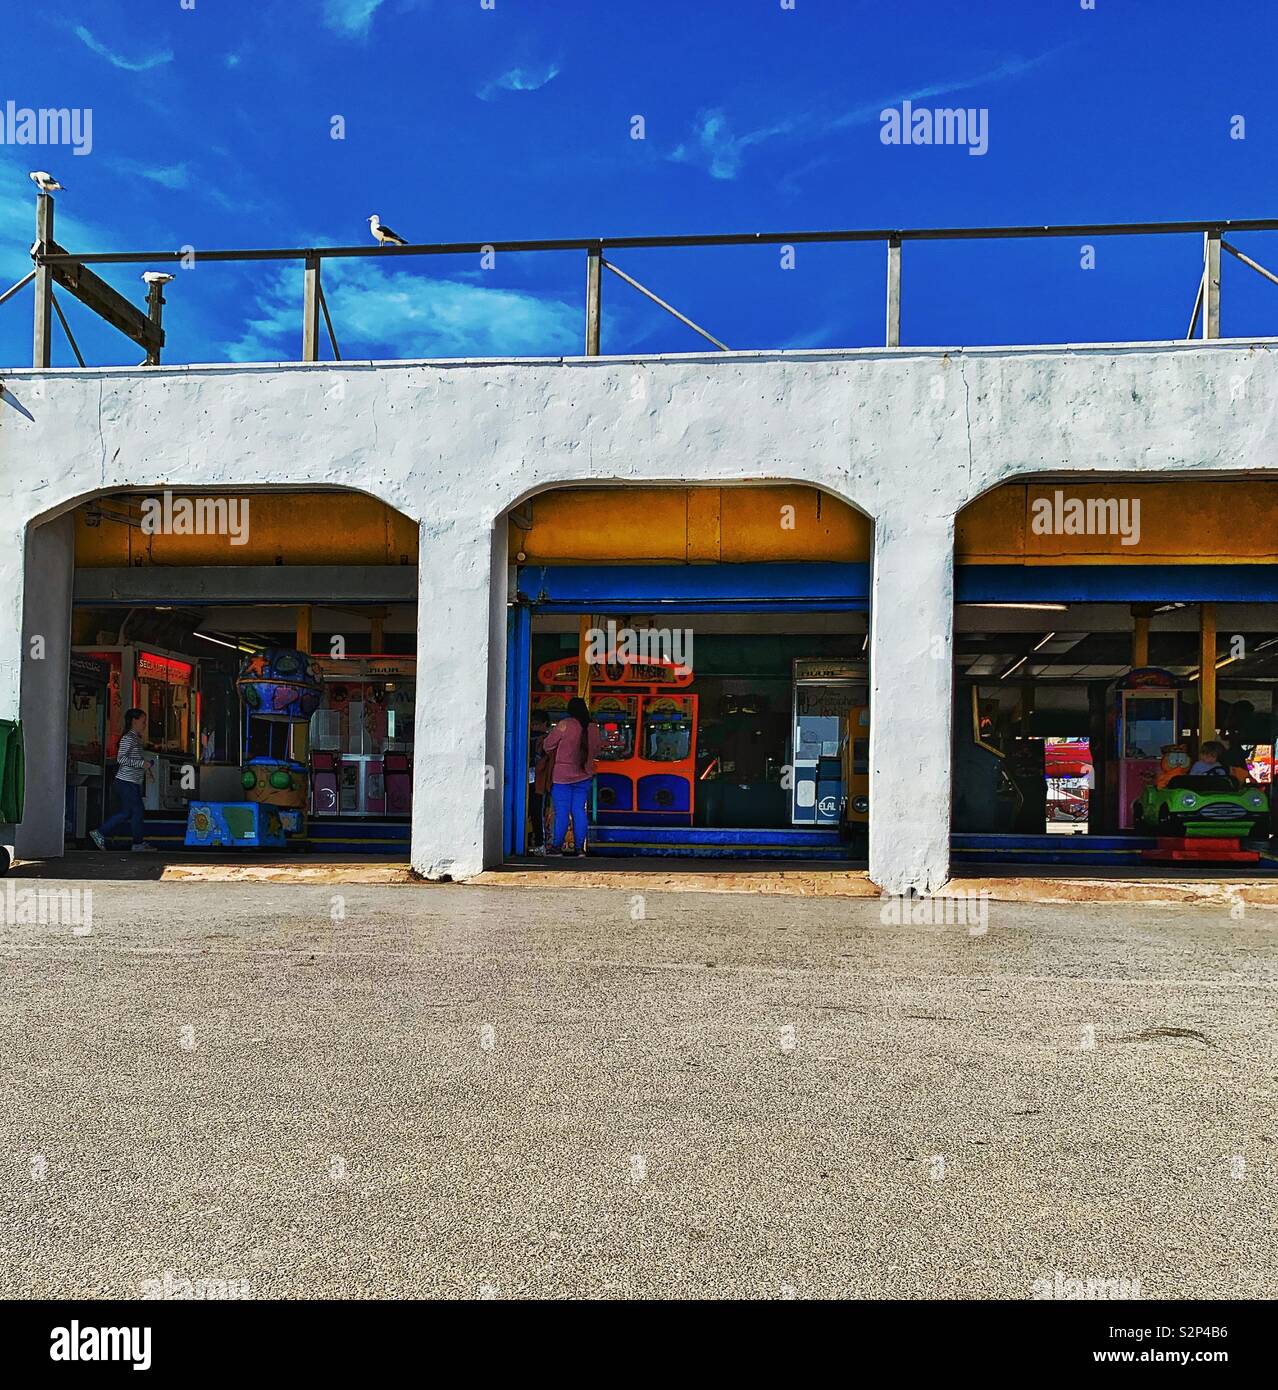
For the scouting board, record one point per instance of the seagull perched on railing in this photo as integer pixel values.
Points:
(44, 180)
(383, 233)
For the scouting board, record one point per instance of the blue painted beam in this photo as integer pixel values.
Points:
(737, 588)
(1116, 583)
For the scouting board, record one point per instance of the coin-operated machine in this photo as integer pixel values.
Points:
(826, 694)
(86, 745)
(856, 771)
(667, 773)
(617, 717)
(278, 694)
(1143, 721)
(646, 772)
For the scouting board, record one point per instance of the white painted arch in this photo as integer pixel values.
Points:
(908, 436)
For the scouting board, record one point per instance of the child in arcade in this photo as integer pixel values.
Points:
(1211, 759)
(131, 773)
(573, 745)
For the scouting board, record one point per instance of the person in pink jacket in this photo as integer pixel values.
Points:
(572, 746)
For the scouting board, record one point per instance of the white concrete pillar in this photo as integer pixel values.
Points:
(911, 700)
(11, 566)
(457, 772)
(45, 644)
(10, 637)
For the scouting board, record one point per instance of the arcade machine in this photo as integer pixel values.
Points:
(86, 745)
(618, 719)
(649, 737)
(667, 771)
(1143, 722)
(278, 694)
(985, 799)
(361, 736)
(825, 693)
(856, 770)
(164, 685)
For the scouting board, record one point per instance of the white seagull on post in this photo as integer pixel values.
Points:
(44, 180)
(383, 233)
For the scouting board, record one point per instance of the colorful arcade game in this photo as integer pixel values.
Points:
(647, 769)
(618, 720)
(164, 685)
(667, 771)
(1143, 723)
(278, 693)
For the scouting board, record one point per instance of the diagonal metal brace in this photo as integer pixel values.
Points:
(670, 309)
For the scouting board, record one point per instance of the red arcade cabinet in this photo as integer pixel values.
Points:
(647, 768)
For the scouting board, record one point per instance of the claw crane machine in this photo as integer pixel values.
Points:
(1143, 722)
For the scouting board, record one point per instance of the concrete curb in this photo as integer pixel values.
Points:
(800, 882)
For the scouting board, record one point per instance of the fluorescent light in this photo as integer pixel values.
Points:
(1015, 666)
(1034, 607)
(204, 637)
(1045, 641)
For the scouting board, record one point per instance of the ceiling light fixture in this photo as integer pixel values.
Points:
(1028, 607)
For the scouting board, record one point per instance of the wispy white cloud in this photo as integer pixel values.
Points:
(351, 18)
(519, 80)
(381, 312)
(1012, 67)
(166, 175)
(715, 148)
(117, 60)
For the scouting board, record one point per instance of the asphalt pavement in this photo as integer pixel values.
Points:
(460, 1091)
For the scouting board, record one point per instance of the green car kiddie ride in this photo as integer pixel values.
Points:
(1212, 804)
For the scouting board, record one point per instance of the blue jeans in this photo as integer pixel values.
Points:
(570, 800)
(130, 812)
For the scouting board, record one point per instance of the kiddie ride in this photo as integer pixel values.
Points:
(278, 694)
(648, 760)
(1200, 818)
(1196, 819)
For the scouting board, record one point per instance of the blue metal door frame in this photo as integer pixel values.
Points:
(518, 686)
(578, 589)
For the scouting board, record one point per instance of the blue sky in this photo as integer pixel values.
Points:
(212, 127)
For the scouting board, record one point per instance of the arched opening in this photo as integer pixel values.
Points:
(268, 635)
(1115, 645)
(719, 636)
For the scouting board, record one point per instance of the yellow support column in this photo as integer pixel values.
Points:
(304, 627)
(1140, 635)
(1207, 672)
(584, 625)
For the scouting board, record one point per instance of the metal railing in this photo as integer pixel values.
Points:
(68, 269)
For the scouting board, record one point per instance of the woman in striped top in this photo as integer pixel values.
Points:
(130, 772)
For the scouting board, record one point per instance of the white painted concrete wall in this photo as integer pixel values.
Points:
(909, 436)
